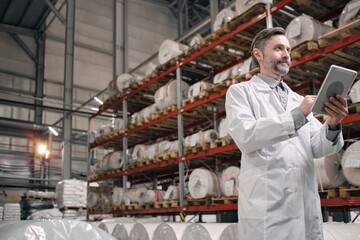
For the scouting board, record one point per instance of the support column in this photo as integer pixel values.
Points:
(125, 36)
(180, 18)
(39, 89)
(269, 21)
(68, 87)
(214, 10)
(125, 144)
(115, 72)
(180, 135)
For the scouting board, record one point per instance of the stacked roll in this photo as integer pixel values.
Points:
(350, 12)
(174, 146)
(167, 95)
(120, 232)
(12, 212)
(350, 163)
(196, 88)
(134, 195)
(229, 181)
(355, 92)
(329, 172)
(195, 231)
(173, 193)
(112, 161)
(223, 17)
(151, 196)
(237, 70)
(146, 112)
(203, 183)
(121, 82)
(170, 49)
(222, 76)
(197, 39)
(138, 153)
(222, 231)
(118, 124)
(242, 6)
(200, 138)
(305, 28)
(223, 133)
(139, 232)
(117, 196)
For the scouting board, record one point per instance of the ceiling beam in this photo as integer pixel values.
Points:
(56, 12)
(18, 30)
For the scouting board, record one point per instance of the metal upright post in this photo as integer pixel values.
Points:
(68, 87)
(88, 165)
(269, 21)
(214, 10)
(180, 133)
(125, 144)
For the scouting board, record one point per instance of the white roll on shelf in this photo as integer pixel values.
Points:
(223, 17)
(167, 94)
(173, 193)
(329, 172)
(170, 49)
(137, 154)
(203, 183)
(355, 92)
(305, 28)
(151, 196)
(350, 163)
(229, 181)
(350, 12)
(196, 88)
(201, 137)
(121, 82)
(242, 6)
(197, 39)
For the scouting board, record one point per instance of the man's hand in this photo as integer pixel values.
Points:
(306, 104)
(337, 109)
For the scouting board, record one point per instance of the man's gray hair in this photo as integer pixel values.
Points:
(261, 38)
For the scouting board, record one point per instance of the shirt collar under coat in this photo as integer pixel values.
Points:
(265, 83)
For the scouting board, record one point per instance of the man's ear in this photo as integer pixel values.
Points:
(258, 54)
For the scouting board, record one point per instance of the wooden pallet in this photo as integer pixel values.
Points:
(191, 100)
(303, 49)
(37, 197)
(224, 200)
(163, 204)
(150, 161)
(354, 108)
(329, 193)
(351, 191)
(100, 189)
(197, 202)
(148, 205)
(219, 143)
(132, 206)
(340, 33)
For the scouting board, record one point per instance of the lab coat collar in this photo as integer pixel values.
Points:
(263, 86)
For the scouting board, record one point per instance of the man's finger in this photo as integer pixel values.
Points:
(341, 99)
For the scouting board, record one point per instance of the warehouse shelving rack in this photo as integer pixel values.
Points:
(186, 65)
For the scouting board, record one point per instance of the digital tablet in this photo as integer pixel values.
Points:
(338, 80)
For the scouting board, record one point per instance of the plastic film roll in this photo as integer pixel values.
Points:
(174, 146)
(93, 199)
(236, 70)
(222, 76)
(115, 160)
(223, 17)
(150, 151)
(341, 231)
(229, 181)
(170, 49)
(221, 231)
(107, 226)
(329, 173)
(242, 6)
(150, 68)
(138, 232)
(151, 196)
(167, 95)
(200, 138)
(163, 147)
(120, 232)
(203, 183)
(173, 193)
(170, 231)
(195, 231)
(230, 232)
(355, 92)
(305, 28)
(118, 123)
(136, 194)
(122, 81)
(350, 163)
(138, 153)
(196, 88)
(146, 112)
(117, 196)
(350, 12)
(197, 39)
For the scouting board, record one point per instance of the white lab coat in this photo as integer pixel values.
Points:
(278, 196)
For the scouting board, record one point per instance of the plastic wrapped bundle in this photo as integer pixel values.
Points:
(341, 231)
(121, 82)
(138, 153)
(223, 17)
(120, 232)
(174, 146)
(151, 151)
(117, 196)
(167, 95)
(53, 229)
(305, 28)
(350, 163)
(328, 171)
(12, 212)
(350, 12)
(197, 39)
(163, 147)
(71, 193)
(200, 138)
(150, 67)
(139, 232)
(146, 112)
(355, 92)
(170, 231)
(195, 231)
(242, 6)
(170, 49)
(118, 123)
(112, 161)
(93, 199)
(222, 231)
(229, 181)
(173, 193)
(223, 133)
(196, 88)
(46, 214)
(135, 195)
(105, 129)
(203, 183)
(222, 76)
(151, 196)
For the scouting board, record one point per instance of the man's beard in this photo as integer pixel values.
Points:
(277, 66)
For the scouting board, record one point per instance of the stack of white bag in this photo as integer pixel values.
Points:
(1, 213)
(12, 212)
(71, 193)
(46, 214)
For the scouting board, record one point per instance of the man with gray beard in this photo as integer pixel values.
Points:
(279, 137)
